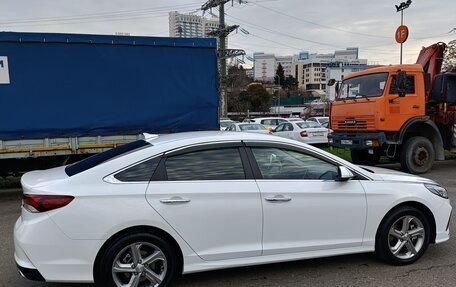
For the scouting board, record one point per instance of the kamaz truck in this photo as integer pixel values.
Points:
(404, 112)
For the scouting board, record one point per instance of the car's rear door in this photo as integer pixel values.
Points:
(208, 195)
(304, 207)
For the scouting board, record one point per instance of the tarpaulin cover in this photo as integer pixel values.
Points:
(54, 85)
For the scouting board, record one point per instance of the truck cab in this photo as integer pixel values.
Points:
(386, 111)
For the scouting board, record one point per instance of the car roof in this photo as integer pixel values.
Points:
(208, 136)
(269, 118)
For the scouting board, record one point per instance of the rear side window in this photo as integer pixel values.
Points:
(214, 164)
(140, 172)
(97, 159)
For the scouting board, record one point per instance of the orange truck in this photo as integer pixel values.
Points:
(404, 112)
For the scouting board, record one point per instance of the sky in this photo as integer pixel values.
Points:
(282, 27)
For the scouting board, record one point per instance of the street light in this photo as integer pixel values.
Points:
(400, 8)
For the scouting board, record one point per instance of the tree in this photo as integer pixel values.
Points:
(259, 99)
(279, 78)
(237, 81)
(449, 60)
(291, 83)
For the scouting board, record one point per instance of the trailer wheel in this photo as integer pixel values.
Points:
(363, 157)
(417, 155)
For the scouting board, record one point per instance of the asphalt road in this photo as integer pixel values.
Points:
(435, 268)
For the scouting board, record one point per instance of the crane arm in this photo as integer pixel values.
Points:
(431, 58)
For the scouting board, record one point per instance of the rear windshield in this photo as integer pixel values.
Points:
(97, 159)
(251, 127)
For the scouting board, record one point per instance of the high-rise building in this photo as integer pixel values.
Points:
(189, 26)
(314, 72)
(311, 70)
(264, 67)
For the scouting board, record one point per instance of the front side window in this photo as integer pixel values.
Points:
(366, 86)
(213, 164)
(279, 163)
(279, 128)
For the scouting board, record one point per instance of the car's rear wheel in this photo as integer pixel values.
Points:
(403, 236)
(137, 260)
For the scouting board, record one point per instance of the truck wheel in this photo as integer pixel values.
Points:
(417, 155)
(363, 157)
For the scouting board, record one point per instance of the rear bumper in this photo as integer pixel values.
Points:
(356, 140)
(42, 252)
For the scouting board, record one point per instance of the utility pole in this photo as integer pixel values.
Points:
(402, 32)
(223, 53)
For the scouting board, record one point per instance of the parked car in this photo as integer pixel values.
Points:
(188, 202)
(321, 120)
(270, 122)
(248, 127)
(224, 123)
(308, 132)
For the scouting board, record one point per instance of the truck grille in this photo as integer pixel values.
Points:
(353, 123)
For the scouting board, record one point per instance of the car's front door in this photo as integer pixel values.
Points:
(210, 198)
(305, 208)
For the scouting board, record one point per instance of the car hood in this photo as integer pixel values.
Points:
(394, 175)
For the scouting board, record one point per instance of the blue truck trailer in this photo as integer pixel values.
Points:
(67, 95)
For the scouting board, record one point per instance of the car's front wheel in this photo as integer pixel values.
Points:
(136, 260)
(403, 236)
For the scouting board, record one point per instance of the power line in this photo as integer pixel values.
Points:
(317, 24)
(97, 17)
(338, 29)
(254, 26)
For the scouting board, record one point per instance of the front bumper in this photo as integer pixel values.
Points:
(356, 140)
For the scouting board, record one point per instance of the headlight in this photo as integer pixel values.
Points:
(437, 190)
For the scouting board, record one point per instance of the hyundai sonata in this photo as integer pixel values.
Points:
(142, 213)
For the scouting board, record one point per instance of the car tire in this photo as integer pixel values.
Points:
(119, 266)
(364, 158)
(417, 155)
(398, 243)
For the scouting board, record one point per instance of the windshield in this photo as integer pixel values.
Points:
(251, 127)
(225, 124)
(366, 86)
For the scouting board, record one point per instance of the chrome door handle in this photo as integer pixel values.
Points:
(174, 200)
(278, 198)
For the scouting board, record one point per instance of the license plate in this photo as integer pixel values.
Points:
(317, 134)
(350, 142)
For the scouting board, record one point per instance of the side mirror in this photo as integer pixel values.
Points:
(344, 174)
(331, 82)
(401, 82)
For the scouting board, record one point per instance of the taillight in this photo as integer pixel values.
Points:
(43, 203)
(303, 134)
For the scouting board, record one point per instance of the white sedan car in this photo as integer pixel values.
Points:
(248, 127)
(308, 132)
(142, 213)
